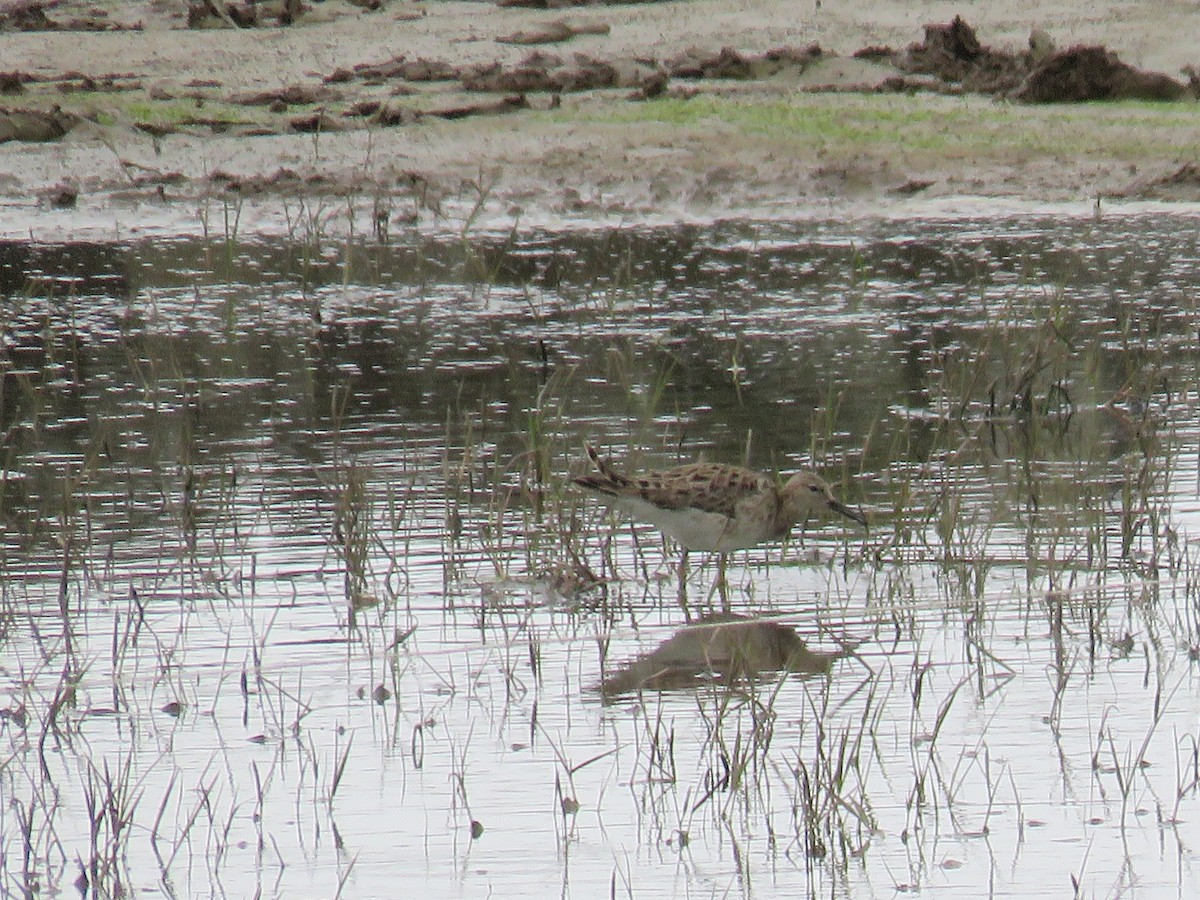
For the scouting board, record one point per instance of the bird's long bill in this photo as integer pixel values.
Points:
(839, 506)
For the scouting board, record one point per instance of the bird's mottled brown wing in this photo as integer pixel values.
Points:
(711, 487)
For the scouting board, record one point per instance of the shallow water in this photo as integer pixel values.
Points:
(295, 589)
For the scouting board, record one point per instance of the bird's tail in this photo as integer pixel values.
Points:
(607, 481)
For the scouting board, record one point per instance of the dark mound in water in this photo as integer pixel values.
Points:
(719, 648)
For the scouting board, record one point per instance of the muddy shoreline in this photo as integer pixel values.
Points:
(435, 115)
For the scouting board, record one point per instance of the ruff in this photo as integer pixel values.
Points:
(716, 507)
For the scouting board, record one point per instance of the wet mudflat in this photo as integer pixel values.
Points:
(297, 598)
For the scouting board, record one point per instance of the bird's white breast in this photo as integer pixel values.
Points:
(696, 529)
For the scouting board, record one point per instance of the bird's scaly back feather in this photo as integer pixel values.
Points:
(709, 487)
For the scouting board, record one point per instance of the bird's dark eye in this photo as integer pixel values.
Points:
(815, 488)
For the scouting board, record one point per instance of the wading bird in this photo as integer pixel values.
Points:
(715, 507)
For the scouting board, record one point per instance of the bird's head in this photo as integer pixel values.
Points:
(806, 494)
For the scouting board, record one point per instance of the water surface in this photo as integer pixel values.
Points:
(296, 596)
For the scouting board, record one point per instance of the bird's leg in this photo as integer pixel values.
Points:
(723, 581)
(683, 576)
(720, 586)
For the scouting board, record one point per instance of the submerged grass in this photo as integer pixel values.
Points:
(373, 591)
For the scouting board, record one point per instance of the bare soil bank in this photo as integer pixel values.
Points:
(425, 113)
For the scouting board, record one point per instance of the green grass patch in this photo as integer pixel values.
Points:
(168, 113)
(976, 126)
(109, 108)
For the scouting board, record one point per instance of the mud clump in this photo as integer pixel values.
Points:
(30, 15)
(547, 72)
(282, 98)
(1080, 74)
(402, 68)
(950, 59)
(12, 82)
(204, 14)
(34, 125)
(697, 63)
(26, 17)
(388, 115)
(1183, 184)
(953, 54)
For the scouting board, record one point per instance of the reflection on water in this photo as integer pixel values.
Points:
(296, 596)
(723, 647)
